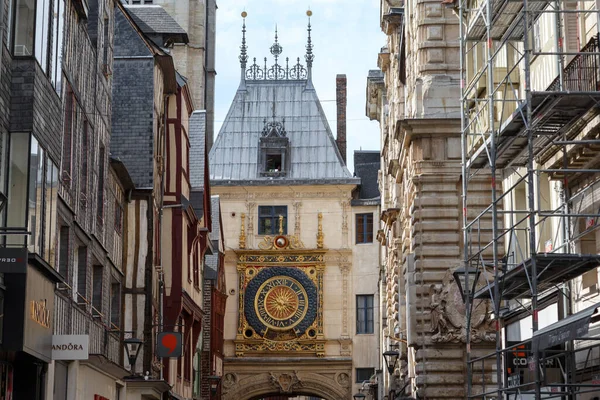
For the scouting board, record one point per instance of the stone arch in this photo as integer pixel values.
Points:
(334, 387)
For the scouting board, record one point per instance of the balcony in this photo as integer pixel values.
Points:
(70, 319)
(554, 111)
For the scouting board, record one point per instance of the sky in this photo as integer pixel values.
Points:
(346, 38)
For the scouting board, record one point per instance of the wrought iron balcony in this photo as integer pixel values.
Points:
(582, 73)
(70, 319)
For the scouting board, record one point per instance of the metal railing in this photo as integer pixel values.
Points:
(582, 74)
(70, 319)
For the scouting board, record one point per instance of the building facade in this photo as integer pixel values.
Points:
(291, 262)
(168, 225)
(414, 96)
(530, 122)
(64, 197)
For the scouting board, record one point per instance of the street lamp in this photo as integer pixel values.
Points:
(359, 396)
(133, 347)
(391, 357)
(214, 381)
(466, 280)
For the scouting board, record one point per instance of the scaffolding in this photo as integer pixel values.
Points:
(530, 110)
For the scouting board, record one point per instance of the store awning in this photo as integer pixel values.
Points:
(573, 327)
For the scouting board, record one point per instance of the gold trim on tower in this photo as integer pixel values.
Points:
(285, 252)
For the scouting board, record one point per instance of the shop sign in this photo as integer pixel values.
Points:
(40, 312)
(70, 347)
(169, 345)
(13, 260)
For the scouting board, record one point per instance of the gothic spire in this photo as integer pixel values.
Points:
(309, 57)
(244, 49)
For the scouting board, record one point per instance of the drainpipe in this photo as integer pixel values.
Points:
(161, 274)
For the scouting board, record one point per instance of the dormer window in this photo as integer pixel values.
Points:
(273, 163)
(274, 150)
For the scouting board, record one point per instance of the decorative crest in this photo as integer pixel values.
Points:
(276, 71)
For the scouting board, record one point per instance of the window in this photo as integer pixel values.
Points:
(82, 275)
(24, 27)
(118, 218)
(115, 304)
(42, 34)
(537, 37)
(58, 28)
(83, 175)
(69, 125)
(34, 22)
(273, 163)
(100, 205)
(364, 314)
(268, 219)
(32, 196)
(364, 228)
(364, 374)
(63, 256)
(98, 272)
(107, 48)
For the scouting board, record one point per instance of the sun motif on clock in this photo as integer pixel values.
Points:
(281, 303)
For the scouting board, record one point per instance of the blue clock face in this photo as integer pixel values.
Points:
(280, 299)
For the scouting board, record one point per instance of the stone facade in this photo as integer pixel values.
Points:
(415, 96)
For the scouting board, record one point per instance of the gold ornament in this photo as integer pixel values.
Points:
(243, 232)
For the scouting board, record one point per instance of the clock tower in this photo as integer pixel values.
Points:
(301, 294)
(281, 298)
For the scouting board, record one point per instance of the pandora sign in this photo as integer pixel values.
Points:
(70, 347)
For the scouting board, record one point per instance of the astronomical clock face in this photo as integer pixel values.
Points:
(280, 302)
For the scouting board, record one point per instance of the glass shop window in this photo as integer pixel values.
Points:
(32, 196)
(32, 24)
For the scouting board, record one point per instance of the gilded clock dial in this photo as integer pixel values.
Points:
(281, 303)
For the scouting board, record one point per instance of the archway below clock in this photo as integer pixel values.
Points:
(291, 381)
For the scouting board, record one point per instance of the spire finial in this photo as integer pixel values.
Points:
(309, 57)
(243, 47)
(276, 48)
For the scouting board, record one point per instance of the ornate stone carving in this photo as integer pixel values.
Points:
(243, 232)
(293, 243)
(297, 206)
(320, 235)
(285, 382)
(345, 206)
(229, 381)
(345, 269)
(448, 315)
(343, 379)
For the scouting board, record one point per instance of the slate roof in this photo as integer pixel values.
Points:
(153, 19)
(366, 167)
(314, 156)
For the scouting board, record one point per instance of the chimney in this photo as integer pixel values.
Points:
(340, 101)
